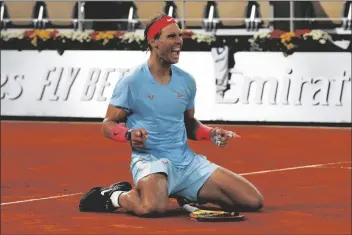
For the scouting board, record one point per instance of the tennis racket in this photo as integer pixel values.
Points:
(211, 215)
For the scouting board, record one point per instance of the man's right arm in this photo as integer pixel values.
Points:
(114, 128)
(113, 117)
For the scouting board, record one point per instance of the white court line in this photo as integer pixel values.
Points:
(249, 173)
(293, 168)
(39, 199)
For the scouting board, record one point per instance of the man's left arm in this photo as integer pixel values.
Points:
(198, 131)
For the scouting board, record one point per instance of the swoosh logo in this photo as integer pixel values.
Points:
(103, 192)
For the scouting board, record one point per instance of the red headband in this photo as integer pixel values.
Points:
(159, 25)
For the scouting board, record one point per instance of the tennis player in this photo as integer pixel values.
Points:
(157, 100)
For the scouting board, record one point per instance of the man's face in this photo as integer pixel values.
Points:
(169, 45)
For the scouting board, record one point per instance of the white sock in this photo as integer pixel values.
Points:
(115, 198)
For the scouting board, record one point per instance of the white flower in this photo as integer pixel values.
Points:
(315, 37)
(130, 37)
(65, 34)
(264, 35)
(75, 35)
(203, 38)
(11, 35)
(318, 35)
(261, 35)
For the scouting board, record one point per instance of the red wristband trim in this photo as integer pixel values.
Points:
(203, 132)
(118, 133)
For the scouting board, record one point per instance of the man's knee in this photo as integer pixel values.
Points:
(153, 195)
(251, 203)
(256, 203)
(151, 210)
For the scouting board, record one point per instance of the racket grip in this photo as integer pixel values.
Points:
(189, 208)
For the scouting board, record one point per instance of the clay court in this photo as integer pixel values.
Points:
(304, 174)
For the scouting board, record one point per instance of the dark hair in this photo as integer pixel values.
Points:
(150, 23)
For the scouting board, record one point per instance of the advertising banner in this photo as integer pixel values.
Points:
(260, 87)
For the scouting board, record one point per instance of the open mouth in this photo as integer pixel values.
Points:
(176, 52)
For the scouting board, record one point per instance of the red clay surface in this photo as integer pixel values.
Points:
(41, 160)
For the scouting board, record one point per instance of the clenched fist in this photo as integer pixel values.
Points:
(138, 137)
(220, 136)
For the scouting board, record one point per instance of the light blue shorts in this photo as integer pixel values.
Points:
(184, 182)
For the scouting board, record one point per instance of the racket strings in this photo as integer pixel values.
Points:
(202, 213)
